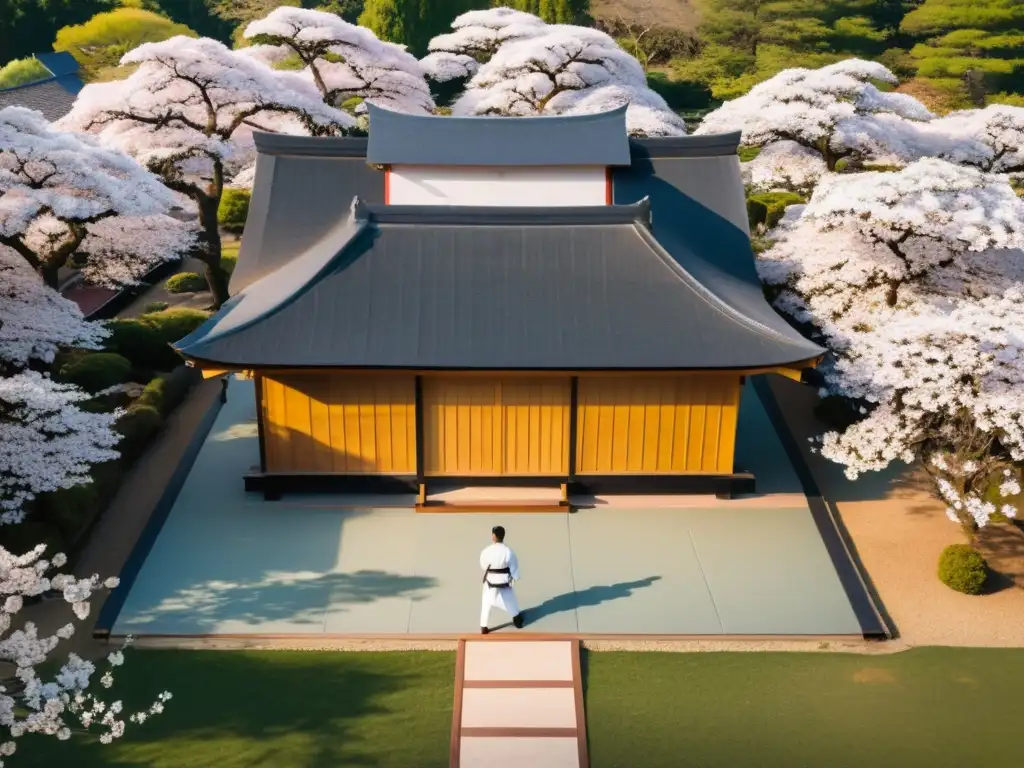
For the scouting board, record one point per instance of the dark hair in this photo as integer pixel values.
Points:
(499, 532)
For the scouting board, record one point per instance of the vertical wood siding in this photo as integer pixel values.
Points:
(328, 422)
(656, 424)
(496, 426)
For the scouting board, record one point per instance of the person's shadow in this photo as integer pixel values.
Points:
(570, 601)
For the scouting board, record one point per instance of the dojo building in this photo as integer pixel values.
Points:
(537, 300)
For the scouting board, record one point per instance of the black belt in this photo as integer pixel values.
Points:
(489, 571)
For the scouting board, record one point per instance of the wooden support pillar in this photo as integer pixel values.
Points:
(573, 417)
(261, 428)
(420, 437)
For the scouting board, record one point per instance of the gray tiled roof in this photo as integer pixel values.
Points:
(49, 97)
(451, 287)
(401, 139)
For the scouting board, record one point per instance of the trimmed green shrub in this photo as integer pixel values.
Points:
(757, 212)
(963, 569)
(176, 386)
(157, 306)
(142, 344)
(97, 371)
(166, 392)
(748, 153)
(174, 324)
(22, 72)
(679, 94)
(137, 428)
(233, 209)
(186, 282)
(768, 208)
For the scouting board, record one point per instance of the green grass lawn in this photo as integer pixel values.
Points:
(931, 707)
(278, 709)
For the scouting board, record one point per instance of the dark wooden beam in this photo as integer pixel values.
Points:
(573, 417)
(420, 437)
(260, 425)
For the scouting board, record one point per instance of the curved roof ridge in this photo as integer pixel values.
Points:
(279, 288)
(714, 299)
(574, 215)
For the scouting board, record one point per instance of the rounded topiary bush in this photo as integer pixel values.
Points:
(963, 569)
(142, 344)
(185, 282)
(233, 209)
(174, 324)
(97, 372)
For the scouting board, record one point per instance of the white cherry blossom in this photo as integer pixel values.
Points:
(344, 60)
(475, 37)
(565, 71)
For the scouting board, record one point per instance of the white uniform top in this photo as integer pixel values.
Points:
(498, 555)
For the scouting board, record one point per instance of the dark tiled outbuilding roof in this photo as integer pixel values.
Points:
(54, 96)
(459, 288)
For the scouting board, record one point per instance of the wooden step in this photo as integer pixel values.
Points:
(493, 499)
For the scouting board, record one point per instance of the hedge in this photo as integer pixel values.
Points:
(233, 209)
(186, 282)
(137, 427)
(166, 392)
(963, 569)
(768, 208)
(142, 344)
(97, 371)
(174, 324)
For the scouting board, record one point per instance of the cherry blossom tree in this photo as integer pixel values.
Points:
(64, 704)
(345, 60)
(784, 165)
(475, 37)
(565, 71)
(180, 112)
(826, 110)
(991, 138)
(915, 282)
(62, 197)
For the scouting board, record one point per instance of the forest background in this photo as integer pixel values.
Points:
(950, 54)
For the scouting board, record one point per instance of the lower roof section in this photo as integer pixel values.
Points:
(422, 287)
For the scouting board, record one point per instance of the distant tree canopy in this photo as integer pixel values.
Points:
(969, 40)
(99, 43)
(28, 26)
(747, 41)
(414, 23)
(200, 15)
(554, 11)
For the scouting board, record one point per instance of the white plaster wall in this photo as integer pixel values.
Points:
(497, 186)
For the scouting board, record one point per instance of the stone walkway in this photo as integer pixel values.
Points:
(518, 702)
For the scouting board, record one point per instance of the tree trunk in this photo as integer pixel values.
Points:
(50, 274)
(209, 243)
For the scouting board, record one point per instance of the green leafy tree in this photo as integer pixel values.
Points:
(21, 72)
(555, 11)
(747, 41)
(413, 23)
(99, 43)
(199, 15)
(28, 26)
(978, 44)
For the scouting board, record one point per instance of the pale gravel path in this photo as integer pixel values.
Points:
(899, 529)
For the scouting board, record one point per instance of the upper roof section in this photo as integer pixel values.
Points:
(488, 288)
(401, 139)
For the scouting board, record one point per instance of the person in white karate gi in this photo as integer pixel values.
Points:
(501, 571)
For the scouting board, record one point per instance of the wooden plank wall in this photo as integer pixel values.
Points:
(656, 424)
(340, 424)
(495, 425)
